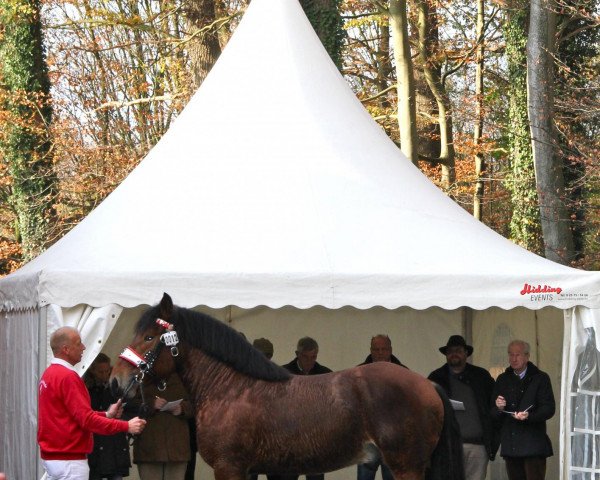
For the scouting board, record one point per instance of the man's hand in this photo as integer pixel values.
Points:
(177, 410)
(159, 403)
(115, 410)
(521, 415)
(500, 402)
(136, 425)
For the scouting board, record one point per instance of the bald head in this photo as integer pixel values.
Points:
(381, 348)
(61, 337)
(66, 344)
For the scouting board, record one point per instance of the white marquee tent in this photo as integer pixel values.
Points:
(278, 204)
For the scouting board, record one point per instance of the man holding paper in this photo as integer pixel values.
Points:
(523, 402)
(470, 391)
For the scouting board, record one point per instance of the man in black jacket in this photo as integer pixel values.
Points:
(305, 362)
(471, 389)
(381, 351)
(523, 402)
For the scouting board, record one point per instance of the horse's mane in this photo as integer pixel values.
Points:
(218, 340)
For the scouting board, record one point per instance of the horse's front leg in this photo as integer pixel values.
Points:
(224, 471)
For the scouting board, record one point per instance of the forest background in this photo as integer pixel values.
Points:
(496, 101)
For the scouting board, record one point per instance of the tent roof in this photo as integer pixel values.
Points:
(275, 187)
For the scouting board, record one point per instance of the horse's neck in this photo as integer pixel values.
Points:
(203, 374)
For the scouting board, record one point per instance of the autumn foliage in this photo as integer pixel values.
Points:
(120, 73)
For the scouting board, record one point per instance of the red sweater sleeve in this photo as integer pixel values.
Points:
(77, 401)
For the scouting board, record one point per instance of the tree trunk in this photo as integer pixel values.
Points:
(404, 73)
(525, 228)
(384, 66)
(204, 48)
(558, 238)
(478, 130)
(428, 127)
(428, 40)
(24, 142)
(578, 44)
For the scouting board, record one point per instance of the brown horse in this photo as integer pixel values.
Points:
(254, 416)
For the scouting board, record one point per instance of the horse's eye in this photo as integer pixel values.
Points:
(148, 338)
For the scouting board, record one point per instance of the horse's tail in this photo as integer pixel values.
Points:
(447, 458)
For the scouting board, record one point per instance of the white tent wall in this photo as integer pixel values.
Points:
(580, 399)
(19, 353)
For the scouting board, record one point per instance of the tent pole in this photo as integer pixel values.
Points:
(467, 325)
(42, 359)
(537, 337)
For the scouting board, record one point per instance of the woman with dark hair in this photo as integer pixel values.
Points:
(110, 457)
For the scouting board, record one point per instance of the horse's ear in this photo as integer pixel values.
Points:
(166, 307)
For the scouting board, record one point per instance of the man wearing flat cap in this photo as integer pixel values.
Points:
(471, 388)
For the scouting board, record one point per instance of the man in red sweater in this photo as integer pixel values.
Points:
(66, 421)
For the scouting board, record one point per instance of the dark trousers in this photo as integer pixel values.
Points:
(528, 468)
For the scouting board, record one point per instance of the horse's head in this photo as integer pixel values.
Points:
(150, 355)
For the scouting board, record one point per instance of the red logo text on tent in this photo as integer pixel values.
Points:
(528, 289)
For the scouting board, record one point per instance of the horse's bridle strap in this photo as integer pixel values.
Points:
(131, 356)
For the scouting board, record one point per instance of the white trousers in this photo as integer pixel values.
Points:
(66, 469)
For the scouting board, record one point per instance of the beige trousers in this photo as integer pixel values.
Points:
(476, 461)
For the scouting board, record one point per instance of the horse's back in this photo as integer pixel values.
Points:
(385, 379)
(372, 385)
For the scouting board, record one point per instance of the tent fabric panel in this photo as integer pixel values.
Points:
(19, 350)
(19, 292)
(450, 290)
(344, 335)
(580, 446)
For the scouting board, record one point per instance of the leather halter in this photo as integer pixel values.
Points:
(169, 338)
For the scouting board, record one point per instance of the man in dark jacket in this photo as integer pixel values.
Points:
(524, 401)
(305, 362)
(471, 386)
(381, 351)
